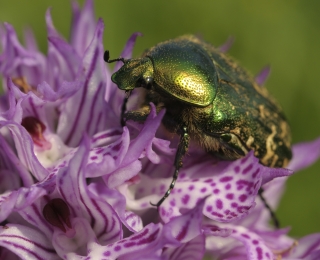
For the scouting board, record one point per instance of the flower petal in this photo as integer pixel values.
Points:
(73, 189)
(192, 250)
(26, 242)
(87, 111)
(304, 154)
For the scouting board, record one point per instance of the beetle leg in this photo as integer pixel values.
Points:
(272, 214)
(181, 151)
(124, 108)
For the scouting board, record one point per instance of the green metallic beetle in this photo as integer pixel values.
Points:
(209, 98)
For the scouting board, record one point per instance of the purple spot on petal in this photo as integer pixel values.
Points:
(209, 208)
(203, 190)
(143, 205)
(162, 187)
(228, 186)
(129, 244)
(255, 173)
(93, 157)
(219, 204)
(208, 180)
(243, 209)
(255, 242)
(195, 180)
(259, 253)
(216, 214)
(237, 169)
(213, 184)
(227, 212)
(191, 187)
(267, 255)
(185, 199)
(182, 175)
(229, 196)
(234, 205)
(245, 236)
(243, 160)
(247, 169)
(107, 253)
(117, 248)
(216, 191)
(243, 197)
(226, 179)
(179, 190)
(172, 202)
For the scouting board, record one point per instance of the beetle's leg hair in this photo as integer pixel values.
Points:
(274, 218)
(181, 151)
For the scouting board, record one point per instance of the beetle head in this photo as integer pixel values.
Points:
(134, 73)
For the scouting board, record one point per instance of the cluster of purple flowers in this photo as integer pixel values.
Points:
(74, 184)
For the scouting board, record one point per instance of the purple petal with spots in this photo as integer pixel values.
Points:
(188, 226)
(232, 189)
(26, 242)
(83, 26)
(87, 111)
(255, 246)
(304, 154)
(73, 189)
(146, 244)
(263, 75)
(192, 250)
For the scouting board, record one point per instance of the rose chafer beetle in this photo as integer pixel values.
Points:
(209, 98)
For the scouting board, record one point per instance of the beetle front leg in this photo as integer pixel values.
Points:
(181, 151)
(139, 116)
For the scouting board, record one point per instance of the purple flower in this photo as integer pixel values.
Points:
(76, 185)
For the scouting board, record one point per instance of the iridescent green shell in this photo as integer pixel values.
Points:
(221, 105)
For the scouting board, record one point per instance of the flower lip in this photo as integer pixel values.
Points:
(57, 213)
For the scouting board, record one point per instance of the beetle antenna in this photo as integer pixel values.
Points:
(106, 58)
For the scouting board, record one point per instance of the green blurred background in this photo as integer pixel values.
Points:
(284, 34)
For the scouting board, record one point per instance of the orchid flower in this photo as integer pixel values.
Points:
(75, 184)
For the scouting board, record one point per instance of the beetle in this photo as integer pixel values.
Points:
(208, 98)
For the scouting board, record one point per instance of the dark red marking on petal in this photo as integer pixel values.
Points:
(57, 213)
(35, 128)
